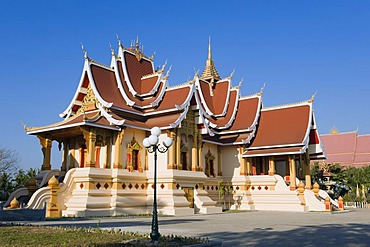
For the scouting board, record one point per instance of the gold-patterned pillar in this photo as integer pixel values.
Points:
(200, 150)
(172, 151)
(194, 154)
(272, 170)
(178, 147)
(46, 144)
(118, 150)
(292, 173)
(65, 156)
(90, 138)
(242, 162)
(72, 161)
(249, 166)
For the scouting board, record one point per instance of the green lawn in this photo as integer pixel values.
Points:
(18, 235)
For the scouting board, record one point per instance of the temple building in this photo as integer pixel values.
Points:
(348, 149)
(220, 139)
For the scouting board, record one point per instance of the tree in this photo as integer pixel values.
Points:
(9, 160)
(6, 186)
(21, 178)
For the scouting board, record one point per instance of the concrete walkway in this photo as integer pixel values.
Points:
(351, 228)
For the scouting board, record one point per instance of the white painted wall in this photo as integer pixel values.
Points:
(230, 161)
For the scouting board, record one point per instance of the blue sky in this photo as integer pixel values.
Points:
(296, 47)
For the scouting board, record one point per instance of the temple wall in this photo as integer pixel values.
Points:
(230, 161)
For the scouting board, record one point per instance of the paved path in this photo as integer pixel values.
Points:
(351, 228)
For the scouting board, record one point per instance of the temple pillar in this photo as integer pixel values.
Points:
(242, 162)
(65, 156)
(249, 166)
(307, 172)
(200, 150)
(90, 138)
(108, 152)
(219, 161)
(178, 148)
(292, 174)
(97, 156)
(272, 170)
(172, 151)
(118, 150)
(46, 144)
(194, 155)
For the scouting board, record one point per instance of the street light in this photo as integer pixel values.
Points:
(151, 143)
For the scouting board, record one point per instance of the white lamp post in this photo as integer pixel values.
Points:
(151, 143)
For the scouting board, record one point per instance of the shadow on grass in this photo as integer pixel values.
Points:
(323, 235)
(120, 223)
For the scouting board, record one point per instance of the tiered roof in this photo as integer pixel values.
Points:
(286, 129)
(347, 149)
(130, 92)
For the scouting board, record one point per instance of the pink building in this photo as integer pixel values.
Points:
(348, 149)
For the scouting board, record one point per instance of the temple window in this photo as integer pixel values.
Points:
(210, 169)
(133, 156)
(135, 159)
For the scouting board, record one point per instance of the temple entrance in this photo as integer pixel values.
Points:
(280, 167)
(189, 194)
(184, 162)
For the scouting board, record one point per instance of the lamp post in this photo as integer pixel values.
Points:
(151, 143)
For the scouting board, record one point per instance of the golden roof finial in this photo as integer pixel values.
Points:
(210, 73)
(209, 48)
(334, 131)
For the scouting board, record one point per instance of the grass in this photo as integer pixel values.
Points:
(22, 235)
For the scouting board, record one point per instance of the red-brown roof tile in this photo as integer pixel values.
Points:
(282, 126)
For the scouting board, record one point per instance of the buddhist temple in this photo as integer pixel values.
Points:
(348, 149)
(221, 138)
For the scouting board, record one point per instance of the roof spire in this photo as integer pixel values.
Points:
(209, 49)
(210, 73)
